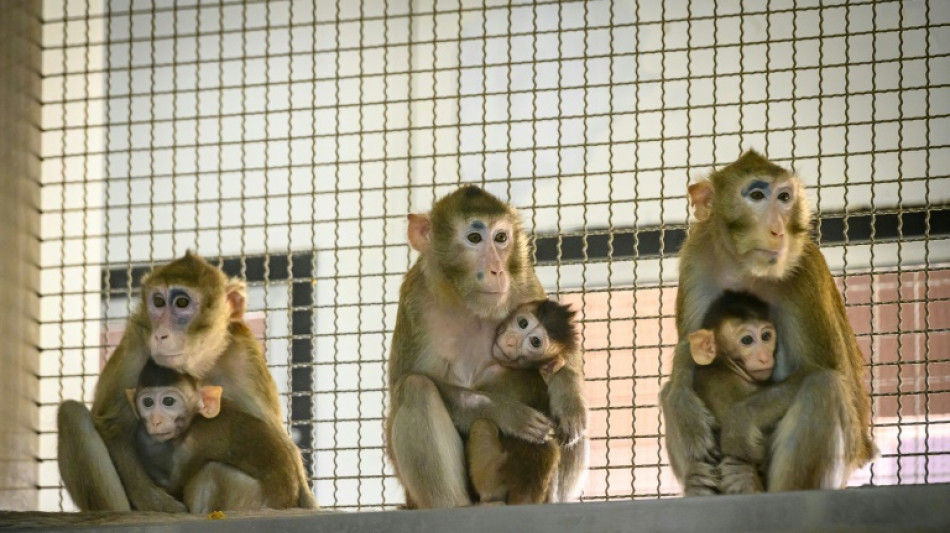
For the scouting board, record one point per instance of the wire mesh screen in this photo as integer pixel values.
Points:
(287, 141)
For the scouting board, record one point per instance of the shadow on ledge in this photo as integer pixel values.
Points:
(884, 509)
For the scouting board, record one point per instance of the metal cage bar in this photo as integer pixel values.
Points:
(288, 139)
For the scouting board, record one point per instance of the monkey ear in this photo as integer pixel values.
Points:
(130, 394)
(210, 404)
(236, 292)
(700, 196)
(420, 232)
(702, 344)
(551, 367)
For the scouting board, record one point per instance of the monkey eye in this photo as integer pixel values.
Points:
(474, 237)
(158, 301)
(501, 236)
(747, 340)
(784, 197)
(182, 302)
(522, 322)
(148, 402)
(757, 195)
(766, 335)
(535, 342)
(168, 401)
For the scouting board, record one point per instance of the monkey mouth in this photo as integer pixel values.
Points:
(769, 256)
(492, 293)
(761, 375)
(161, 437)
(170, 360)
(500, 356)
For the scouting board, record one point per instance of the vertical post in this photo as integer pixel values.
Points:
(20, 63)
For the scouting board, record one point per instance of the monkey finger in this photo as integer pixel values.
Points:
(738, 477)
(540, 430)
(702, 479)
(568, 434)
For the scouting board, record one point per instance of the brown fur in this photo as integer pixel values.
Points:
(508, 469)
(227, 436)
(723, 384)
(441, 343)
(240, 369)
(826, 430)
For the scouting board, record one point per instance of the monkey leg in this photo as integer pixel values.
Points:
(85, 464)
(530, 470)
(219, 487)
(427, 449)
(485, 459)
(808, 445)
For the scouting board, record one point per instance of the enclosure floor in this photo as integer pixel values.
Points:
(890, 509)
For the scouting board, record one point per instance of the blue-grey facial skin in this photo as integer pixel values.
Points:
(171, 310)
(477, 225)
(757, 185)
(179, 305)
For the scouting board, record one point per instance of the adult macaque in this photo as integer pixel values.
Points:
(531, 346)
(190, 320)
(736, 353)
(752, 235)
(473, 270)
(176, 446)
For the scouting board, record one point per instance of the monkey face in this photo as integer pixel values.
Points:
(765, 236)
(484, 246)
(164, 411)
(171, 310)
(751, 346)
(767, 217)
(521, 342)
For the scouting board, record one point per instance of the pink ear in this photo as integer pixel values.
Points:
(419, 232)
(702, 344)
(550, 368)
(130, 394)
(210, 401)
(700, 196)
(236, 292)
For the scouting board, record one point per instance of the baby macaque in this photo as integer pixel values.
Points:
(531, 345)
(735, 351)
(203, 450)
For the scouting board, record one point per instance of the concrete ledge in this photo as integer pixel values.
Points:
(884, 509)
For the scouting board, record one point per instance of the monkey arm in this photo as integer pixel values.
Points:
(512, 417)
(256, 447)
(690, 442)
(115, 422)
(568, 409)
(746, 421)
(142, 491)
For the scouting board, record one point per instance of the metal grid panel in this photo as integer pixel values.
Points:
(288, 140)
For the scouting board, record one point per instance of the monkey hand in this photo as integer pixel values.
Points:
(519, 420)
(738, 477)
(742, 440)
(570, 418)
(156, 499)
(689, 429)
(702, 479)
(566, 400)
